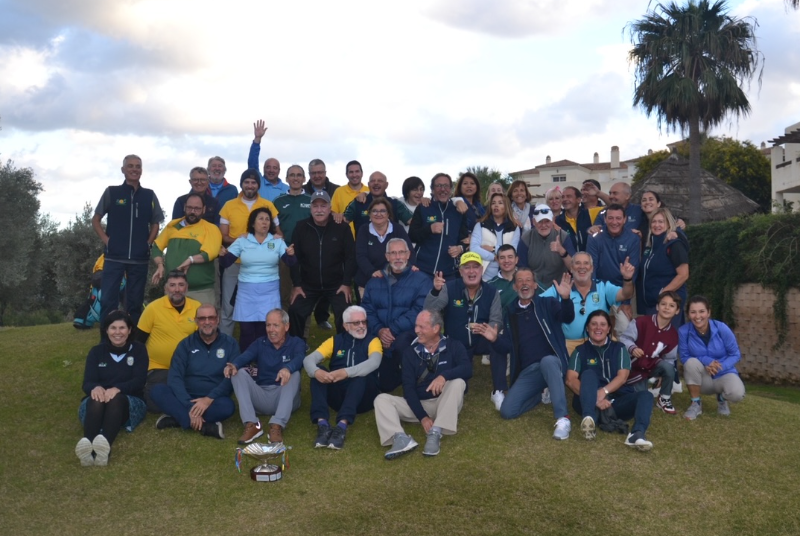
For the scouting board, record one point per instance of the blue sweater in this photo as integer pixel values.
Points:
(271, 360)
(371, 252)
(197, 368)
(394, 301)
(721, 347)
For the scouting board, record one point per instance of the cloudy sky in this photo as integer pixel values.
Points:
(407, 88)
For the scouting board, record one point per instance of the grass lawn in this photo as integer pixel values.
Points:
(713, 476)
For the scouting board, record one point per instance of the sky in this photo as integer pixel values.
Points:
(407, 88)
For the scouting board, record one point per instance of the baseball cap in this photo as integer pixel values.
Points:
(470, 256)
(321, 194)
(542, 212)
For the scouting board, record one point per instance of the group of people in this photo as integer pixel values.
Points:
(539, 292)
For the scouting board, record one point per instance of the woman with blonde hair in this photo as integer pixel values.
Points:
(496, 228)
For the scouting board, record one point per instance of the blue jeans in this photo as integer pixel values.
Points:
(497, 361)
(526, 392)
(636, 405)
(219, 410)
(113, 272)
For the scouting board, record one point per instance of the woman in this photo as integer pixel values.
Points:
(113, 380)
(493, 230)
(709, 353)
(553, 198)
(413, 194)
(652, 341)
(371, 242)
(664, 265)
(494, 188)
(545, 249)
(468, 190)
(520, 198)
(259, 285)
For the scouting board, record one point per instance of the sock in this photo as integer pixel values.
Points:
(436, 429)
(666, 397)
(342, 425)
(720, 398)
(697, 400)
(322, 422)
(497, 391)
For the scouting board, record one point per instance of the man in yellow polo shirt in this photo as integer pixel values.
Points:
(344, 195)
(163, 324)
(233, 224)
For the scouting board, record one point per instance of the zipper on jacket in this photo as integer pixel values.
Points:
(130, 229)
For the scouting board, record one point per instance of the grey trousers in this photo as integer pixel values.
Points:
(230, 278)
(729, 385)
(280, 401)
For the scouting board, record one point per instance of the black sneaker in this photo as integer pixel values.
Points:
(323, 436)
(212, 429)
(166, 421)
(337, 438)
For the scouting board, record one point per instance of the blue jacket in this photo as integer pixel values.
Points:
(458, 312)
(633, 217)
(656, 271)
(130, 214)
(271, 360)
(580, 237)
(431, 249)
(349, 351)
(453, 362)
(371, 252)
(197, 370)
(608, 252)
(267, 189)
(224, 193)
(395, 301)
(550, 314)
(722, 346)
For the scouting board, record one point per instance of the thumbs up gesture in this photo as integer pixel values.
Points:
(556, 246)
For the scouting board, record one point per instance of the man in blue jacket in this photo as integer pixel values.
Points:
(276, 389)
(435, 374)
(197, 393)
(393, 302)
(133, 217)
(271, 184)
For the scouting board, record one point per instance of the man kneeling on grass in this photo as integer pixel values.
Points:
(276, 389)
(351, 384)
(435, 374)
(598, 370)
(197, 393)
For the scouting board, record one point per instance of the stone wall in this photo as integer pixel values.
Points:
(755, 331)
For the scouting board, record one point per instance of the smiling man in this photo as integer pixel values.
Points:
(345, 194)
(220, 188)
(271, 185)
(198, 181)
(357, 212)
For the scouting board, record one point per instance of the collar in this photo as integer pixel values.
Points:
(389, 230)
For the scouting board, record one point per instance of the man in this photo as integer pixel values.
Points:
(609, 249)
(439, 231)
(198, 179)
(349, 384)
(435, 374)
(588, 296)
(294, 205)
(538, 351)
(504, 280)
(197, 393)
(276, 389)
(590, 190)
(344, 194)
(471, 310)
(575, 219)
(318, 179)
(544, 249)
(325, 266)
(271, 185)
(133, 217)
(620, 194)
(233, 224)
(220, 188)
(165, 323)
(393, 302)
(357, 212)
(191, 245)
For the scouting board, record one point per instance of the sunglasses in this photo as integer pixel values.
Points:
(583, 307)
(538, 211)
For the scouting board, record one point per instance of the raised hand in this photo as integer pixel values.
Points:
(259, 130)
(565, 286)
(626, 269)
(438, 281)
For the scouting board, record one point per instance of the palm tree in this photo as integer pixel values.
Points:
(794, 4)
(690, 62)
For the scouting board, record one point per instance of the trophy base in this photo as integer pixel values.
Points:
(266, 473)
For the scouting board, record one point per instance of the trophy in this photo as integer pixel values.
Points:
(266, 472)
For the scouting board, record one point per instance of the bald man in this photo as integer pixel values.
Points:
(271, 185)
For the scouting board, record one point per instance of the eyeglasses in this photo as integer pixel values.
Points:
(379, 211)
(205, 318)
(198, 181)
(357, 323)
(538, 211)
(442, 186)
(193, 209)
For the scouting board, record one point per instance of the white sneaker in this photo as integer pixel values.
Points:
(587, 427)
(546, 396)
(485, 360)
(563, 428)
(497, 398)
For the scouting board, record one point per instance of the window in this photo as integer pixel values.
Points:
(559, 178)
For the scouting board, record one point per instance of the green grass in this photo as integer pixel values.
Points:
(712, 476)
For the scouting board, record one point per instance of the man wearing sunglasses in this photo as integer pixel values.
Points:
(349, 384)
(545, 250)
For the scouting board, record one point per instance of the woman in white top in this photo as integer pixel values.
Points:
(495, 228)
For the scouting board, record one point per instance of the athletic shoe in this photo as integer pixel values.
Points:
(252, 431)
(212, 429)
(101, 450)
(402, 443)
(324, 325)
(323, 436)
(546, 396)
(166, 421)
(275, 433)
(563, 428)
(666, 405)
(432, 443)
(84, 452)
(485, 360)
(338, 435)
(637, 440)
(723, 408)
(497, 398)
(694, 411)
(587, 427)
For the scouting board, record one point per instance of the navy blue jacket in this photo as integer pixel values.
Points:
(128, 375)
(395, 301)
(197, 369)
(458, 313)
(608, 252)
(130, 214)
(358, 213)
(432, 248)
(579, 238)
(212, 208)
(271, 360)
(657, 270)
(453, 363)
(371, 252)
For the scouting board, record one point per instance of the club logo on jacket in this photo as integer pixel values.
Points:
(458, 303)
(340, 353)
(286, 358)
(595, 297)
(271, 245)
(121, 202)
(220, 353)
(431, 219)
(130, 360)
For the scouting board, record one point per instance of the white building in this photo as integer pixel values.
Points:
(785, 157)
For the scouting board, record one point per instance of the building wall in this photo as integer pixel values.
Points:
(786, 171)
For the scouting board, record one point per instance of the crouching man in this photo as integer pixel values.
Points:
(435, 374)
(351, 384)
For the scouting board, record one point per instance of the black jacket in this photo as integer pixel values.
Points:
(326, 256)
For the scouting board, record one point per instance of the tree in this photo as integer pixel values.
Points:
(689, 63)
(79, 248)
(487, 176)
